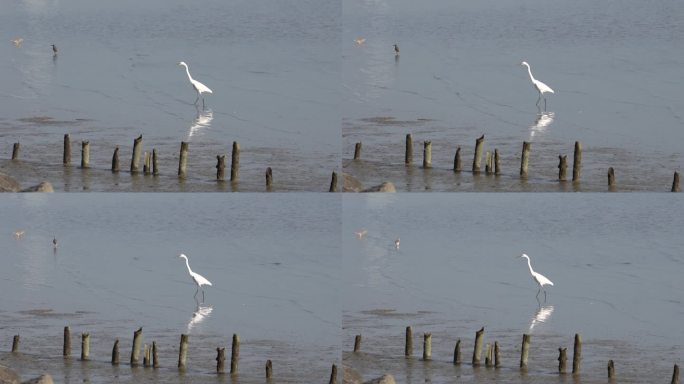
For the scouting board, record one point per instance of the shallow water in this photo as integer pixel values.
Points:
(614, 69)
(615, 263)
(272, 260)
(270, 65)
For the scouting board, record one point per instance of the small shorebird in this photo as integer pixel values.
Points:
(18, 234)
(360, 40)
(396, 243)
(54, 49)
(54, 241)
(17, 42)
(396, 49)
(361, 233)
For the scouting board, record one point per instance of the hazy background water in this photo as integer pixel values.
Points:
(615, 67)
(616, 264)
(273, 66)
(273, 261)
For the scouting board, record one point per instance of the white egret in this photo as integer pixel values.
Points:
(18, 234)
(196, 277)
(360, 40)
(396, 49)
(17, 42)
(540, 279)
(541, 87)
(396, 243)
(199, 87)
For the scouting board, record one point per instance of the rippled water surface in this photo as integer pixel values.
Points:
(272, 259)
(615, 264)
(615, 68)
(272, 65)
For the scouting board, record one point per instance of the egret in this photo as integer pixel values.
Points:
(360, 40)
(540, 279)
(396, 243)
(396, 49)
(17, 42)
(199, 87)
(18, 234)
(54, 241)
(541, 87)
(54, 50)
(196, 277)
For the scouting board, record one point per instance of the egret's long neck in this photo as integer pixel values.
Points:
(190, 77)
(187, 264)
(529, 265)
(529, 71)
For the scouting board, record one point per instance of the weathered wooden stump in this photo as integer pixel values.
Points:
(115, 160)
(525, 352)
(408, 347)
(611, 178)
(235, 162)
(66, 349)
(477, 159)
(427, 154)
(675, 182)
(85, 154)
(85, 346)
(457, 352)
(15, 151)
(357, 343)
(427, 346)
(155, 357)
(457, 160)
(333, 375)
(477, 350)
(489, 168)
(15, 343)
(562, 167)
(220, 360)
(147, 163)
(183, 159)
(155, 167)
(115, 352)
(497, 162)
(147, 355)
(269, 369)
(135, 352)
(675, 375)
(357, 151)
(611, 369)
(235, 354)
(577, 354)
(183, 351)
(269, 178)
(497, 356)
(577, 162)
(220, 167)
(489, 356)
(525, 159)
(408, 155)
(135, 160)
(333, 182)
(562, 359)
(66, 156)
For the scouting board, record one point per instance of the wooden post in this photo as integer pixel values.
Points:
(611, 369)
(427, 346)
(497, 357)
(155, 168)
(427, 154)
(497, 163)
(15, 343)
(183, 351)
(525, 353)
(183, 161)
(115, 160)
(135, 160)
(333, 182)
(85, 154)
(457, 352)
(235, 162)
(269, 369)
(488, 163)
(408, 156)
(675, 375)
(408, 348)
(577, 354)
(135, 353)
(675, 183)
(115, 353)
(562, 167)
(562, 359)
(147, 359)
(269, 178)
(147, 167)
(488, 355)
(15, 151)
(155, 358)
(66, 350)
(66, 157)
(478, 154)
(457, 160)
(333, 375)
(477, 351)
(220, 167)
(357, 343)
(577, 162)
(220, 360)
(611, 178)
(235, 354)
(357, 151)
(85, 346)
(525, 159)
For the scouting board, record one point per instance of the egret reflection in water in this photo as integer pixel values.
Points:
(201, 121)
(541, 123)
(541, 316)
(201, 313)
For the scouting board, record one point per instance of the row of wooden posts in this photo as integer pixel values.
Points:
(150, 165)
(493, 356)
(493, 165)
(150, 357)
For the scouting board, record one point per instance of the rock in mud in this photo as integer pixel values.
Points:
(384, 187)
(8, 184)
(42, 379)
(384, 379)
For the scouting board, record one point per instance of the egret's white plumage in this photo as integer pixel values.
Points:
(196, 277)
(540, 279)
(199, 87)
(541, 87)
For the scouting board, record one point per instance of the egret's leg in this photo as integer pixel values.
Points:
(545, 296)
(538, 292)
(196, 100)
(545, 111)
(196, 290)
(203, 295)
(538, 99)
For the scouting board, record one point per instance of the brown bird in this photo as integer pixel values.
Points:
(54, 49)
